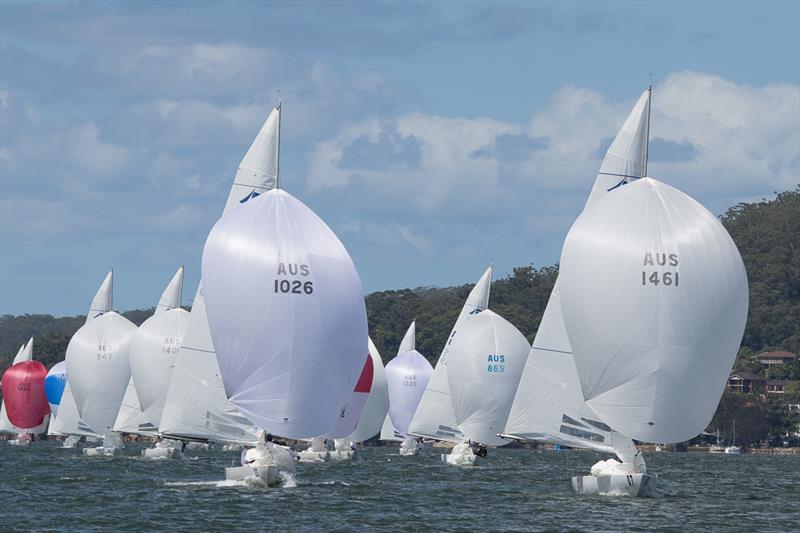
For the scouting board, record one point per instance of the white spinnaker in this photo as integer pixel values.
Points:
(409, 341)
(25, 353)
(549, 397)
(485, 364)
(291, 331)
(654, 297)
(407, 375)
(197, 406)
(153, 350)
(435, 417)
(98, 369)
(102, 301)
(377, 407)
(68, 419)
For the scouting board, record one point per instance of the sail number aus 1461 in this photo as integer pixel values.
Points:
(656, 277)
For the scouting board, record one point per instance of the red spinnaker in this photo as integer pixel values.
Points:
(24, 395)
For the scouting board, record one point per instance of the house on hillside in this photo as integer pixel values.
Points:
(776, 358)
(776, 386)
(745, 382)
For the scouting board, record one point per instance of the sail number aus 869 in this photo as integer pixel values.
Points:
(655, 278)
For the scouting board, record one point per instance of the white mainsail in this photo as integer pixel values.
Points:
(549, 404)
(485, 364)
(377, 406)
(25, 353)
(153, 350)
(435, 418)
(291, 331)
(196, 405)
(407, 376)
(409, 341)
(102, 301)
(654, 298)
(97, 365)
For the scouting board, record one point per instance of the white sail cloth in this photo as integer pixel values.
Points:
(102, 301)
(484, 368)
(348, 421)
(435, 417)
(68, 419)
(407, 375)
(197, 406)
(377, 405)
(130, 418)
(290, 331)
(98, 370)
(549, 405)
(409, 341)
(654, 297)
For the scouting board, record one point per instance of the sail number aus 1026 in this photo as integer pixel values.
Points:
(293, 286)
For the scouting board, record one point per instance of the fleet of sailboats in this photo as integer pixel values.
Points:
(636, 342)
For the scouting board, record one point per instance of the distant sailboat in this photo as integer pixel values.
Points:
(197, 407)
(153, 350)
(290, 331)
(25, 353)
(435, 418)
(24, 396)
(484, 368)
(97, 368)
(407, 376)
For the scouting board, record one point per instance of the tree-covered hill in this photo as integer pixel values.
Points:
(767, 234)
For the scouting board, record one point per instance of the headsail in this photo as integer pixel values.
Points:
(435, 418)
(196, 404)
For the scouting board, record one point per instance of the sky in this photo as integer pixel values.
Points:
(434, 138)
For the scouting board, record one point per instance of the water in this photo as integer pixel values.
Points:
(50, 489)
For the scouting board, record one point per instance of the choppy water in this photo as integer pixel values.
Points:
(51, 489)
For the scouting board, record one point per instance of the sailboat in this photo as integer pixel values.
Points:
(24, 396)
(435, 417)
(98, 370)
(25, 353)
(290, 330)
(54, 384)
(407, 376)
(197, 407)
(484, 367)
(646, 358)
(734, 449)
(153, 350)
(377, 406)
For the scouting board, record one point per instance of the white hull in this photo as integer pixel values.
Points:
(407, 452)
(17, 442)
(346, 455)
(308, 456)
(100, 451)
(643, 485)
(459, 459)
(71, 442)
(162, 453)
(268, 474)
(734, 450)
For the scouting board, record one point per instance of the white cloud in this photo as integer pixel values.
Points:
(93, 155)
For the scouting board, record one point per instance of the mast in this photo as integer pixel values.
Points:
(647, 138)
(278, 158)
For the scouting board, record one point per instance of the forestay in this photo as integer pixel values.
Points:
(654, 298)
(485, 364)
(377, 405)
(291, 331)
(196, 406)
(435, 417)
(407, 375)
